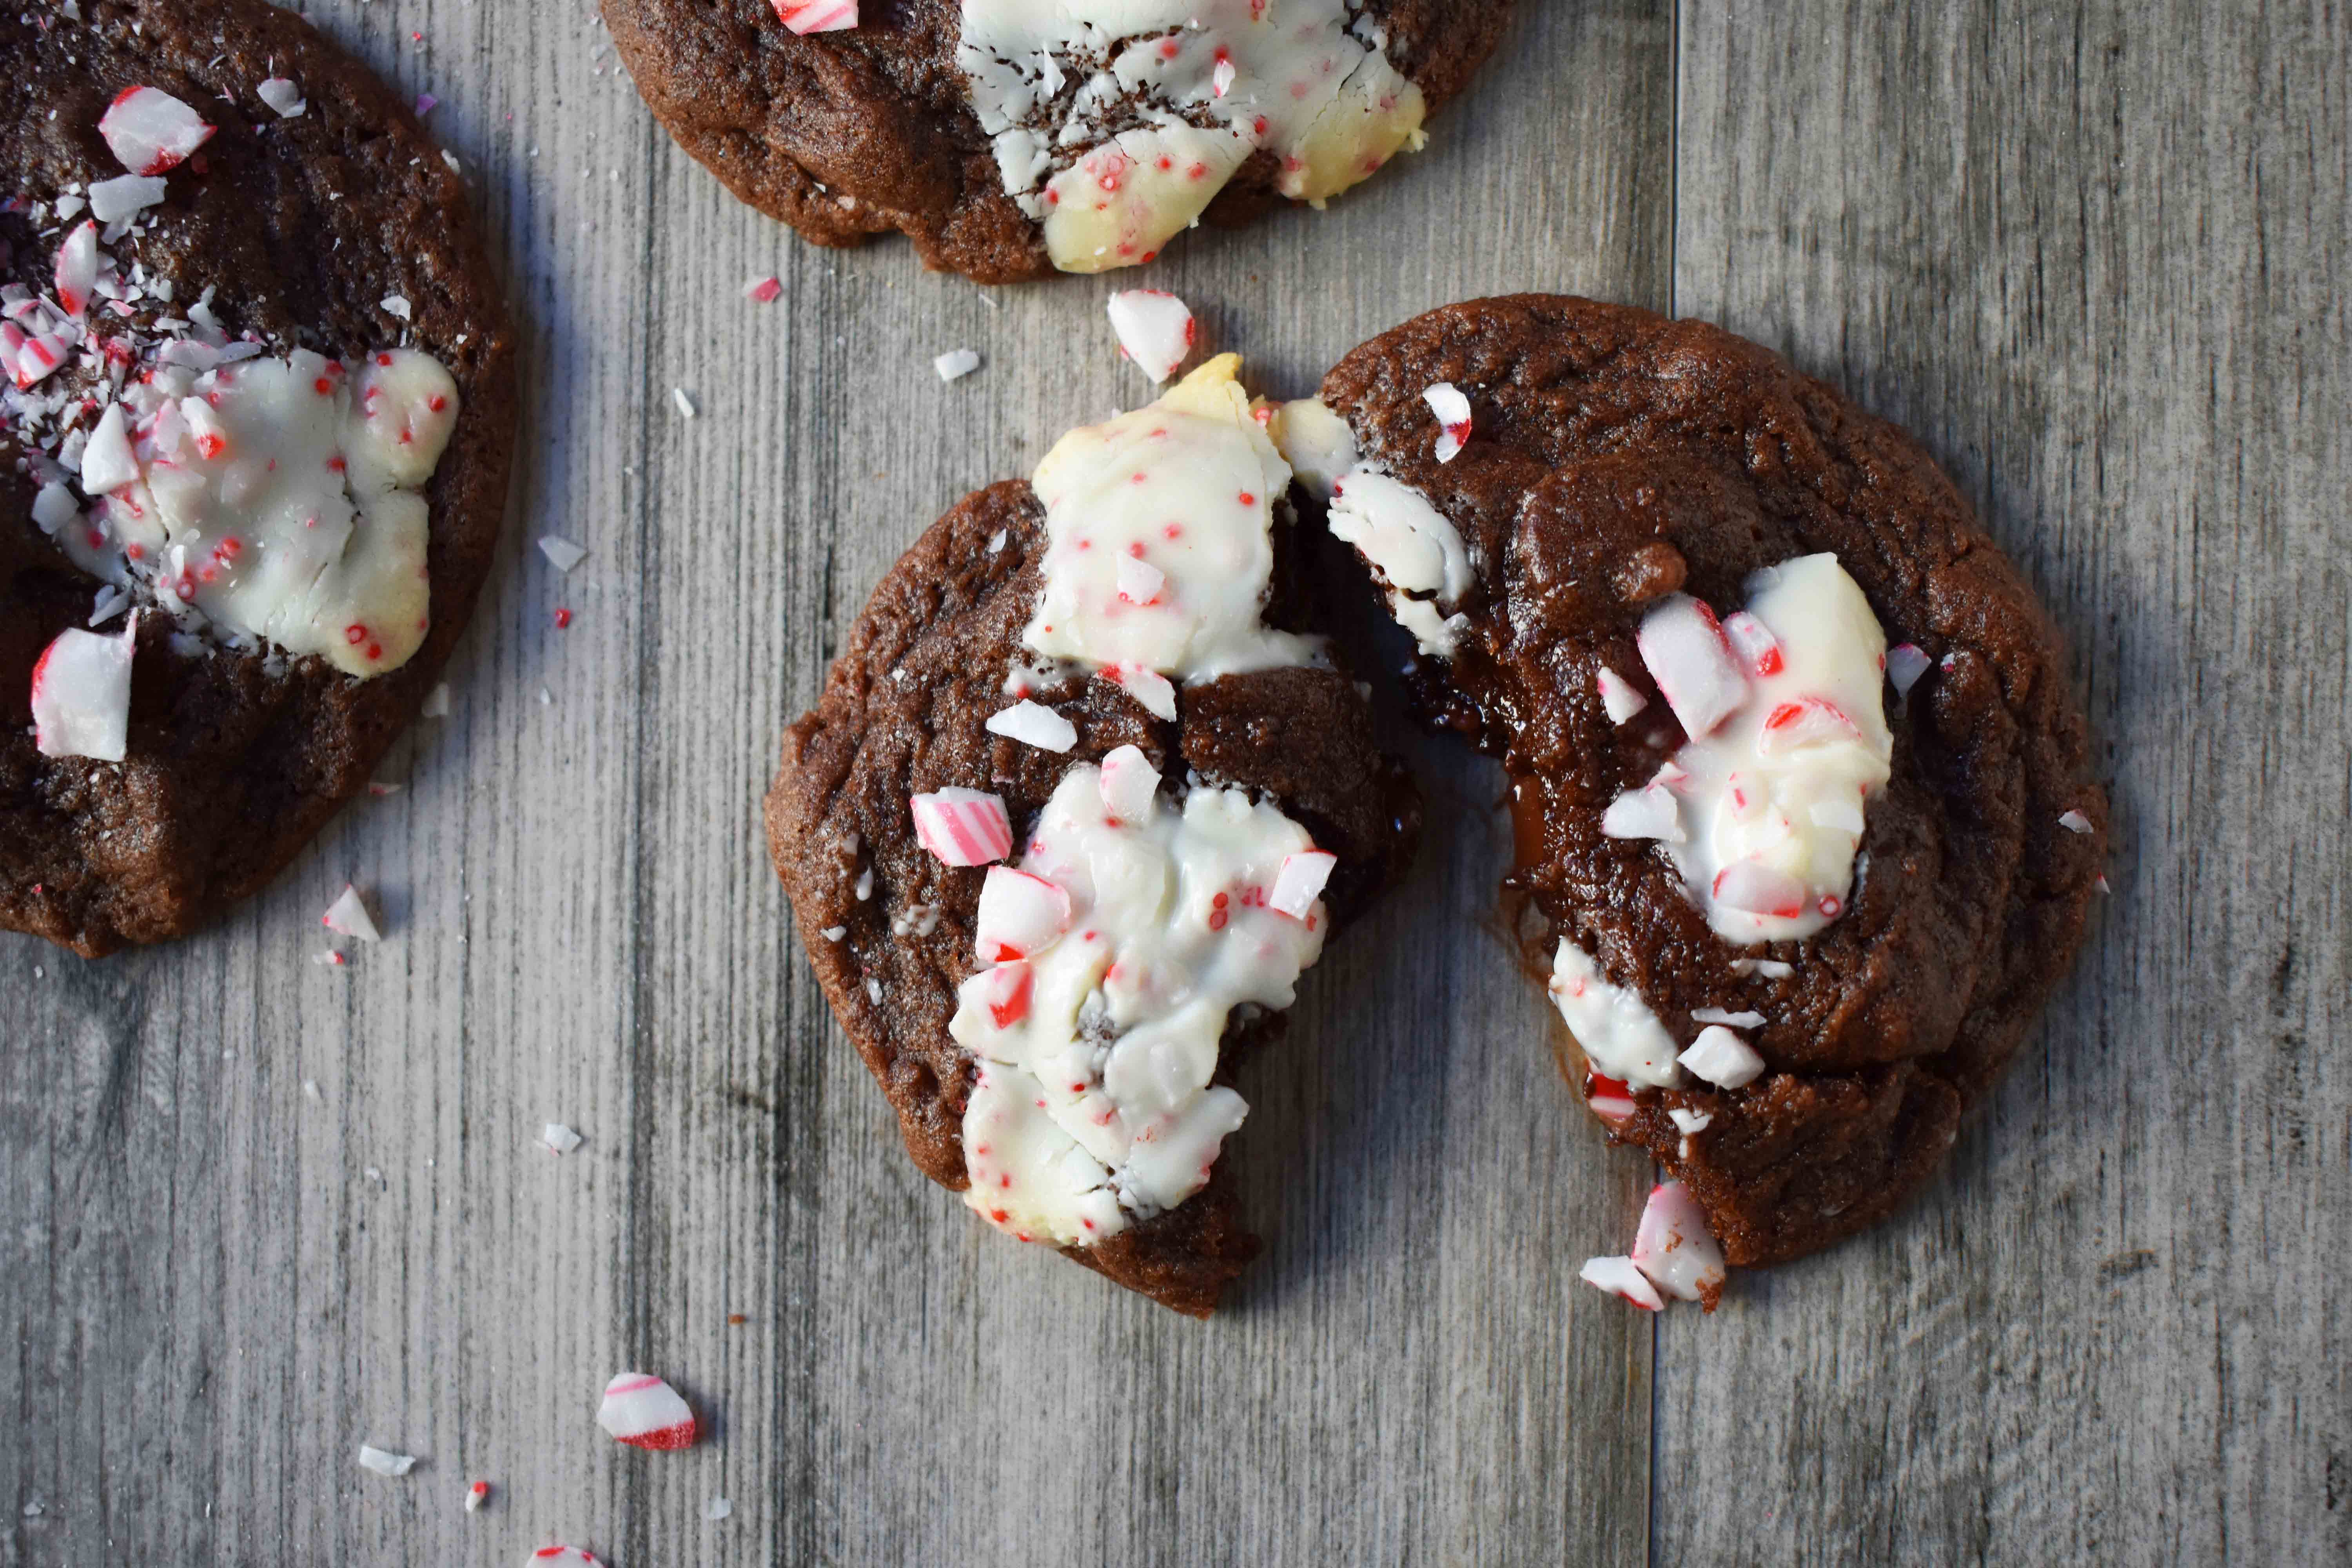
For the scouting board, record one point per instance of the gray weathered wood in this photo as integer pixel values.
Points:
(213, 1301)
(2093, 253)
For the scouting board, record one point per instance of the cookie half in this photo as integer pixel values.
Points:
(1079, 802)
(1806, 819)
(260, 405)
(1010, 139)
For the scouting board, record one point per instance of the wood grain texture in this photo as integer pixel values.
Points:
(2091, 252)
(217, 1284)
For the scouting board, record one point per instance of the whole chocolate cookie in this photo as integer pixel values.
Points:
(1011, 138)
(1804, 803)
(263, 407)
(1183, 772)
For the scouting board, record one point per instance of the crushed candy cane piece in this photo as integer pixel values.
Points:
(81, 694)
(476, 1496)
(1675, 1249)
(1453, 411)
(1155, 330)
(1300, 881)
(1618, 697)
(1128, 783)
(1689, 1122)
(717, 1509)
(763, 291)
(283, 96)
(1147, 686)
(397, 305)
(123, 196)
(1685, 649)
(1771, 968)
(562, 551)
(1760, 890)
(956, 363)
(560, 1138)
(384, 1462)
(1620, 1278)
(330, 958)
(1139, 581)
(1650, 812)
(644, 1412)
(77, 268)
(1729, 1020)
(817, 16)
(1033, 724)
(425, 104)
(108, 462)
(1722, 1059)
(2075, 822)
(556, 1554)
(1905, 663)
(1609, 1098)
(962, 827)
(348, 916)
(1020, 915)
(684, 404)
(1758, 648)
(149, 130)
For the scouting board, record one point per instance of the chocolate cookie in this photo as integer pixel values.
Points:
(1805, 812)
(1109, 669)
(1011, 138)
(262, 410)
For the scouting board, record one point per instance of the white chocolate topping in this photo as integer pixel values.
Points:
(1621, 1037)
(1115, 122)
(271, 498)
(1762, 814)
(1417, 551)
(276, 499)
(1160, 546)
(1093, 1105)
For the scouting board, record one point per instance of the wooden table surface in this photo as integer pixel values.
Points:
(255, 1211)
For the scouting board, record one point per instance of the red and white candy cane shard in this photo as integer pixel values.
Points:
(2075, 822)
(1128, 783)
(348, 916)
(1684, 651)
(1139, 581)
(1020, 915)
(1618, 696)
(1723, 1058)
(817, 16)
(1006, 990)
(1453, 410)
(150, 131)
(1155, 329)
(1905, 663)
(644, 1412)
(78, 268)
(1807, 721)
(81, 694)
(1760, 890)
(1754, 642)
(558, 1555)
(1650, 812)
(762, 290)
(1033, 724)
(1300, 881)
(962, 827)
(1609, 1098)
(476, 1496)
(1620, 1278)
(1674, 1248)
(1147, 686)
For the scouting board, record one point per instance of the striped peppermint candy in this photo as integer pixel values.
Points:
(642, 1410)
(150, 131)
(962, 827)
(817, 16)
(558, 1555)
